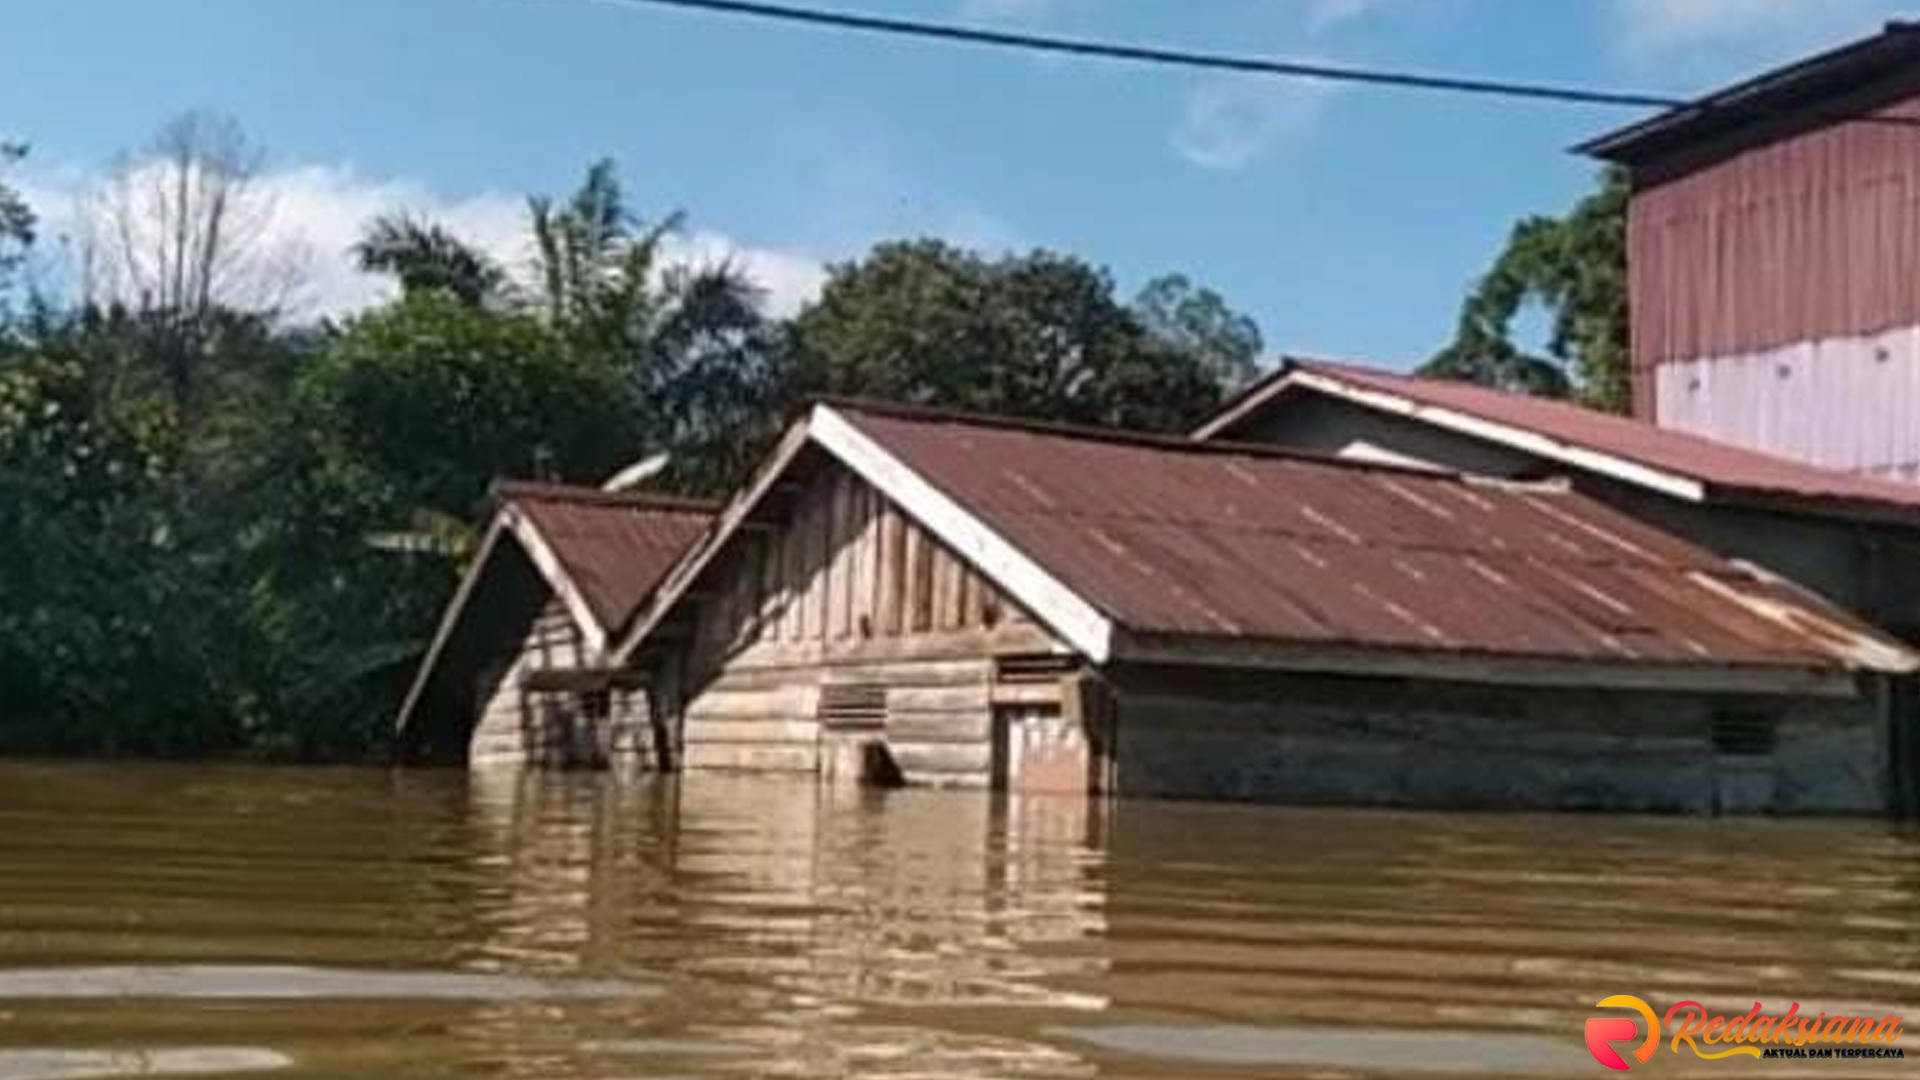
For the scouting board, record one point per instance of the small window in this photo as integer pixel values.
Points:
(1743, 732)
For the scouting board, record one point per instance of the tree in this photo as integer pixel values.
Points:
(425, 257)
(690, 341)
(1575, 266)
(1037, 335)
(114, 635)
(181, 234)
(421, 405)
(1198, 320)
(17, 224)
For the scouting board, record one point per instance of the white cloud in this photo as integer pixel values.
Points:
(1229, 123)
(1648, 27)
(320, 210)
(1323, 15)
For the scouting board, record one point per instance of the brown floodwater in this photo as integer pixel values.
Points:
(234, 921)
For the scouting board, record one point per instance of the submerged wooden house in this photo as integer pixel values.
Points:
(933, 598)
(517, 672)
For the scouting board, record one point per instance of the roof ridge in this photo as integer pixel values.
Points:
(505, 489)
(934, 414)
(1334, 369)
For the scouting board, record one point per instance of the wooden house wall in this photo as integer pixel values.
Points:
(847, 591)
(522, 726)
(1297, 738)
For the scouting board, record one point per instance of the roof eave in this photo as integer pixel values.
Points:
(1784, 680)
(1522, 439)
(1788, 89)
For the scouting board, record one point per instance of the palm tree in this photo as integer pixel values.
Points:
(426, 257)
(692, 338)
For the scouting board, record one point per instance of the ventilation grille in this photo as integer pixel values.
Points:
(1031, 670)
(856, 705)
(1744, 733)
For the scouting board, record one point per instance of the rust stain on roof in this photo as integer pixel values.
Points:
(615, 546)
(1186, 540)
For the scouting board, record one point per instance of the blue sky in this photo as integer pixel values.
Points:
(1349, 221)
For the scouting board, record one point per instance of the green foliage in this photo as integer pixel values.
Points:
(419, 406)
(1033, 335)
(1199, 321)
(207, 564)
(1575, 267)
(428, 258)
(109, 631)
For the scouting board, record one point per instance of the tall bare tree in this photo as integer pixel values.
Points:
(16, 224)
(182, 234)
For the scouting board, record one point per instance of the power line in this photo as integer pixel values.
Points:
(1149, 54)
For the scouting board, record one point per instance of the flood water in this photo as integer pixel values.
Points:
(233, 921)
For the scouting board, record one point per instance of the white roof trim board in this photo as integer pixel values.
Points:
(508, 521)
(549, 565)
(1532, 442)
(1077, 622)
(1080, 625)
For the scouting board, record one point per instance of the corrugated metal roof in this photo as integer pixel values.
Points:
(1202, 542)
(1819, 89)
(615, 546)
(1726, 472)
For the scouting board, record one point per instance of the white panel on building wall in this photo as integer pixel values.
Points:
(1851, 404)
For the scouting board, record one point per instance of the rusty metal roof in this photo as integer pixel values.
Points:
(605, 551)
(1198, 543)
(614, 546)
(1822, 89)
(1585, 438)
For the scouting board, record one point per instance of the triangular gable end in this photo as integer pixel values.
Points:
(509, 525)
(1075, 622)
(1291, 378)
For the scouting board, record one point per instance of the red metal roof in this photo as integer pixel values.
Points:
(1180, 540)
(615, 546)
(1726, 471)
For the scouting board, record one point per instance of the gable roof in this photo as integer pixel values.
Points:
(612, 547)
(601, 553)
(1137, 548)
(1842, 83)
(1634, 452)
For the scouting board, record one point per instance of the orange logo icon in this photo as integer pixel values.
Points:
(1603, 1031)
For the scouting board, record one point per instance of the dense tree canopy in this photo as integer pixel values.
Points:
(1574, 267)
(222, 531)
(1038, 335)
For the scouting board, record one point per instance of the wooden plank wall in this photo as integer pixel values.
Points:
(519, 727)
(847, 590)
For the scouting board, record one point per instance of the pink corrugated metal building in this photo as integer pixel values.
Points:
(1774, 259)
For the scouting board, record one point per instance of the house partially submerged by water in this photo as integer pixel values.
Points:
(1854, 539)
(1408, 592)
(959, 600)
(517, 672)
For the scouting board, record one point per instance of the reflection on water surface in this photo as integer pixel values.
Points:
(180, 921)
